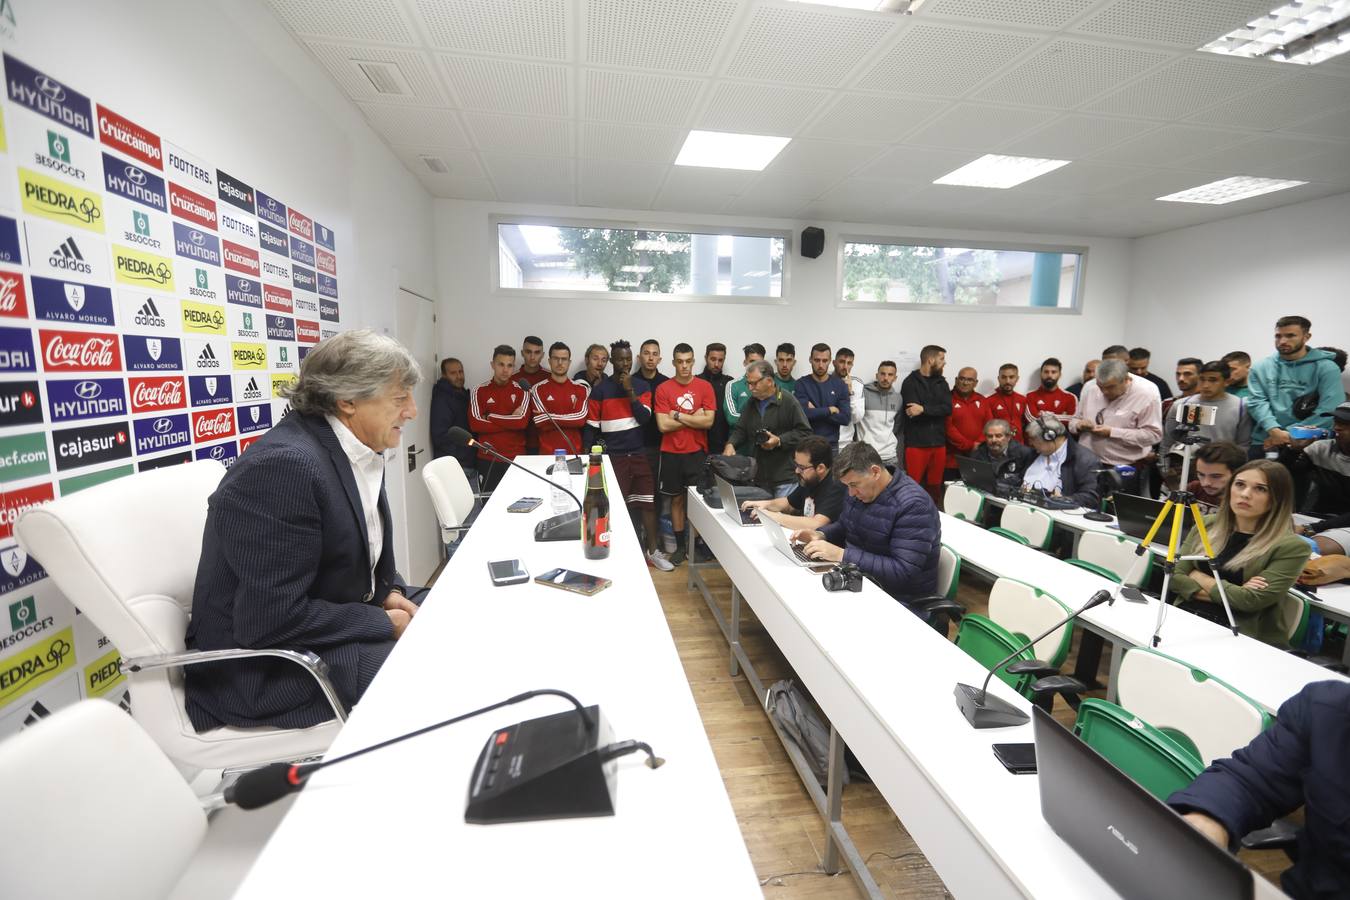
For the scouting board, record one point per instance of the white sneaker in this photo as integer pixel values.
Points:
(657, 559)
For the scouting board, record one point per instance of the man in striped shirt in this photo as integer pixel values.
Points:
(498, 414)
(563, 400)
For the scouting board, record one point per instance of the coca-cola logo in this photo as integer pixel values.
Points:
(11, 287)
(149, 395)
(219, 425)
(87, 353)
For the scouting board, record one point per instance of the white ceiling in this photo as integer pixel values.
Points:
(586, 103)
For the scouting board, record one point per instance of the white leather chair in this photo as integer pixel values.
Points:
(1026, 524)
(1027, 610)
(1113, 556)
(451, 495)
(963, 502)
(96, 810)
(126, 552)
(949, 572)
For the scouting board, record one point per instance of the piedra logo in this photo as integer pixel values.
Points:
(59, 202)
(249, 356)
(142, 268)
(27, 669)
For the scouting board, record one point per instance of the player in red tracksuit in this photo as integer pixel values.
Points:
(565, 400)
(1006, 403)
(1050, 397)
(965, 426)
(498, 414)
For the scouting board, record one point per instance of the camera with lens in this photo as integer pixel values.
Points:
(843, 577)
(762, 437)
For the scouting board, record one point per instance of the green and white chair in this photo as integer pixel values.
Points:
(1025, 610)
(963, 502)
(1154, 760)
(1113, 556)
(1026, 525)
(949, 572)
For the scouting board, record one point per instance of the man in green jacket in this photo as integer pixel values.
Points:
(773, 424)
(1295, 371)
(737, 393)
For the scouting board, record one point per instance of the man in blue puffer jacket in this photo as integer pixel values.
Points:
(889, 527)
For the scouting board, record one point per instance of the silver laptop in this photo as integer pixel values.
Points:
(727, 494)
(778, 536)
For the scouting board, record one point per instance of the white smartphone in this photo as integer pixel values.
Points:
(508, 571)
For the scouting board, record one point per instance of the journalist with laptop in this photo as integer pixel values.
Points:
(888, 528)
(818, 498)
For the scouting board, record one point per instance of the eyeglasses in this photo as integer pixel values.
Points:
(798, 468)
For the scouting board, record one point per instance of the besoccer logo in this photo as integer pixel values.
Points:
(285, 357)
(57, 147)
(142, 223)
(201, 279)
(248, 321)
(22, 613)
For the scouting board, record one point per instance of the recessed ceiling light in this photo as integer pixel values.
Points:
(724, 150)
(1302, 31)
(993, 171)
(1239, 187)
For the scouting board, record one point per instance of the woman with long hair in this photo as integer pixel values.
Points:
(1257, 553)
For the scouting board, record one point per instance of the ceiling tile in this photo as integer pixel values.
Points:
(513, 134)
(917, 164)
(634, 143)
(1067, 73)
(1329, 167)
(416, 125)
(873, 117)
(760, 108)
(1171, 22)
(1189, 85)
(414, 66)
(1170, 145)
(519, 170)
(823, 156)
(1074, 137)
(930, 59)
(807, 46)
(772, 206)
(561, 193)
(1044, 14)
(629, 97)
(1083, 178)
(1332, 125)
(1266, 156)
(699, 190)
(375, 20)
(508, 86)
(969, 126)
(805, 185)
(670, 35)
(619, 185)
(1302, 95)
(534, 28)
(461, 163)
(453, 188)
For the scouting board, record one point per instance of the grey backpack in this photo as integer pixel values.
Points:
(796, 715)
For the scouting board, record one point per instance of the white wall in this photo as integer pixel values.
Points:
(1209, 289)
(473, 319)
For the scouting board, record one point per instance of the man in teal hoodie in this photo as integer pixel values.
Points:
(1294, 373)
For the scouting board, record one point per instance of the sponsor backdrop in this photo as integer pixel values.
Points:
(152, 307)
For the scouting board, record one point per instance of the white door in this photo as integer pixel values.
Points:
(417, 331)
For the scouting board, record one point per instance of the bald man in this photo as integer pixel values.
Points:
(965, 427)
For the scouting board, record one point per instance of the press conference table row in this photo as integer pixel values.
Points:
(885, 681)
(391, 824)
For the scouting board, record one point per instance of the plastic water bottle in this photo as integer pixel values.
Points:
(562, 483)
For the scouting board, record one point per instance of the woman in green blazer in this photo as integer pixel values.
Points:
(1256, 552)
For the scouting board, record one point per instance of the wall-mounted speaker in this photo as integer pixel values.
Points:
(813, 242)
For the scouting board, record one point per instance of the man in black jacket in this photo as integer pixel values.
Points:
(714, 358)
(772, 422)
(450, 408)
(1061, 466)
(927, 400)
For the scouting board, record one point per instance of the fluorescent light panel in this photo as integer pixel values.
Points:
(725, 150)
(1269, 37)
(993, 171)
(1229, 190)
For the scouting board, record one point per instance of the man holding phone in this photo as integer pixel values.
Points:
(773, 423)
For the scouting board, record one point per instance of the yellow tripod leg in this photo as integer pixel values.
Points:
(1157, 523)
(1175, 537)
(1200, 529)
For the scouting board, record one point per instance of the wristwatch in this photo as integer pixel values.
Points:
(675, 414)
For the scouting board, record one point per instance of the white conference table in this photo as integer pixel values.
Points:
(1264, 673)
(391, 824)
(1333, 601)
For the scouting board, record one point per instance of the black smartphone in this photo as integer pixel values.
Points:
(1019, 759)
(576, 582)
(525, 504)
(507, 571)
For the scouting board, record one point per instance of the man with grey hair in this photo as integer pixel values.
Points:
(773, 423)
(1060, 467)
(1120, 417)
(889, 528)
(1008, 456)
(298, 549)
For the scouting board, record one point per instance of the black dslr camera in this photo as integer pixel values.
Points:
(843, 577)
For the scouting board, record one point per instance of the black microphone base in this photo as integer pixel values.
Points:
(566, 527)
(545, 768)
(575, 465)
(1095, 516)
(989, 711)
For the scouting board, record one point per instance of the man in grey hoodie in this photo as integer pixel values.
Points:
(1295, 372)
(881, 406)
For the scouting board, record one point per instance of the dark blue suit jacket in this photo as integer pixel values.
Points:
(1301, 760)
(285, 563)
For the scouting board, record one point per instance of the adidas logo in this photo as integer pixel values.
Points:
(67, 256)
(207, 359)
(36, 713)
(148, 315)
(252, 385)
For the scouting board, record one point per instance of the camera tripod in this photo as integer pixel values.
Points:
(1178, 502)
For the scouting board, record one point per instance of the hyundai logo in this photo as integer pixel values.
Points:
(163, 426)
(218, 451)
(243, 284)
(88, 390)
(197, 238)
(51, 87)
(271, 204)
(135, 175)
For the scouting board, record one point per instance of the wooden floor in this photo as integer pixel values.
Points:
(782, 830)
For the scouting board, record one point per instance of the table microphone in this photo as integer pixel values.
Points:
(464, 439)
(580, 464)
(982, 709)
(270, 783)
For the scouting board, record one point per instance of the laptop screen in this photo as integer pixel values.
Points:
(977, 473)
(1135, 842)
(1136, 515)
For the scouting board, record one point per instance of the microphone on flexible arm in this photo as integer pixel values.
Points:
(580, 465)
(566, 527)
(531, 791)
(984, 710)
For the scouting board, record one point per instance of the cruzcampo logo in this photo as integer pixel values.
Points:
(34, 666)
(57, 147)
(141, 221)
(22, 613)
(23, 456)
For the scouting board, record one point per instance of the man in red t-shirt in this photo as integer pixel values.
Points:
(565, 400)
(1005, 403)
(965, 426)
(685, 408)
(498, 414)
(1050, 397)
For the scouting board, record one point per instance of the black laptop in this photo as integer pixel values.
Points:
(1135, 516)
(982, 476)
(1134, 841)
